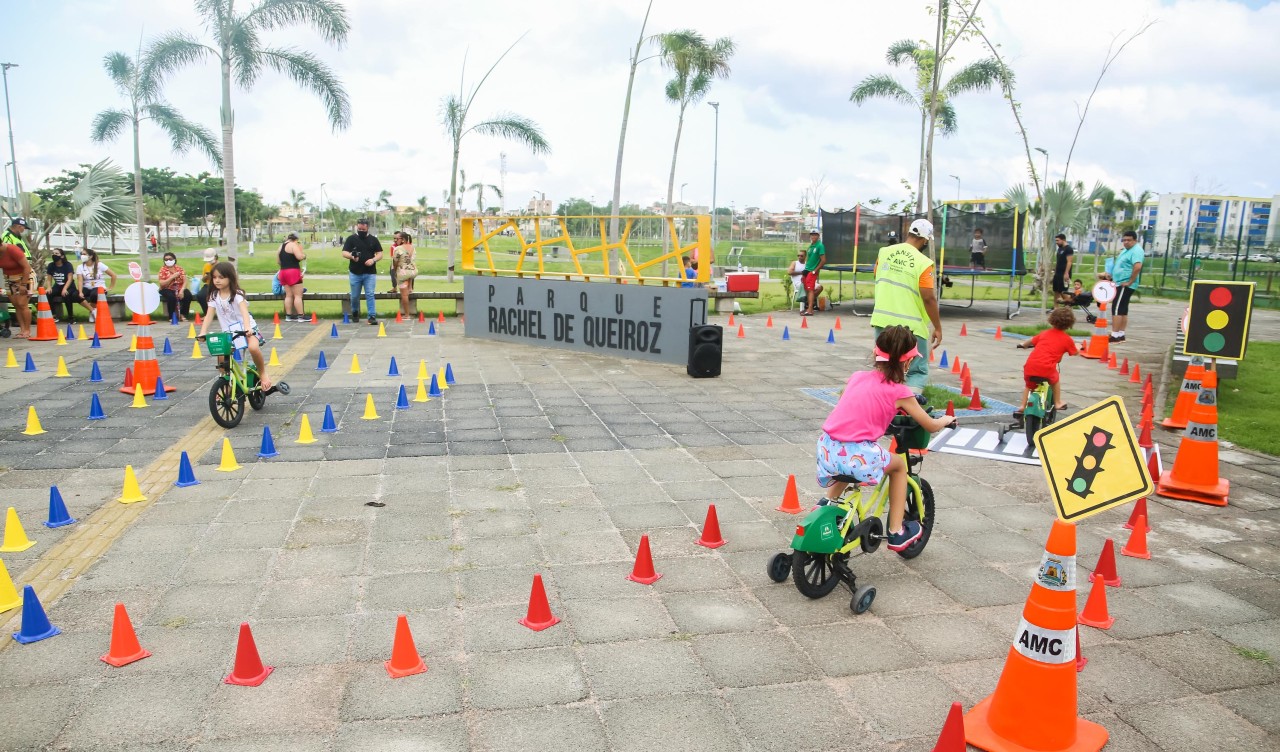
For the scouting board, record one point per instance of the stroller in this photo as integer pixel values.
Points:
(1083, 302)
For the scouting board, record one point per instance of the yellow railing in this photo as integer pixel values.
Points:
(649, 249)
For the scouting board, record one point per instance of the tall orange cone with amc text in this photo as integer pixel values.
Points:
(1194, 476)
(103, 326)
(1186, 395)
(1035, 705)
(46, 327)
(146, 369)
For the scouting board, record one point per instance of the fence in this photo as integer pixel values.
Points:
(855, 236)
(1171, 275)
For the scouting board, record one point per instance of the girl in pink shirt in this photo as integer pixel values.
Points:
(849, 444)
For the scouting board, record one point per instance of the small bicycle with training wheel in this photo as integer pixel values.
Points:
(819, 560)
(1040, 410)
(237, 382)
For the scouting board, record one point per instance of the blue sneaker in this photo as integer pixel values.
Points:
(910, 533)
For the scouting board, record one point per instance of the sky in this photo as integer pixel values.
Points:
(1193, 105)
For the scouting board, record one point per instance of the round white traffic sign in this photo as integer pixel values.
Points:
(1186, 320)
(1104, 291)
(135, 271)
(142, 297)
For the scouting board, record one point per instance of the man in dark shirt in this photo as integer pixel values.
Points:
(362, 250)
(1064, 260)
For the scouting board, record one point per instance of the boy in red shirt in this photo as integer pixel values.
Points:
(1049, 347)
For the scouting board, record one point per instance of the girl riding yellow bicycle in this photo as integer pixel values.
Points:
(228, 305)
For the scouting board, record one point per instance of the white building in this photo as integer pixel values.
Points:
(1180, 217)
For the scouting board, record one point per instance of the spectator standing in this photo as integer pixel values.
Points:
(796, 270)
(905, 296)
(173, 288)
(18, 277)
(63, 292)
(90, 275)
(1126, 273)
(290, 258)
(814, 260)
(1063, 261)
(363, 251)
(405, 266)
(15, 236)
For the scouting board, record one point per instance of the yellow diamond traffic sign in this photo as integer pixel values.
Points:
(1092, 461)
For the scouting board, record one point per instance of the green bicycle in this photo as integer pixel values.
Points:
(823, 542)
(237, 381)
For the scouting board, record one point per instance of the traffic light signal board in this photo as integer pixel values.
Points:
(1092, 461)
(1218, 323)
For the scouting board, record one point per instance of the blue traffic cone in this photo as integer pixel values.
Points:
(334, 331)
(268, 449)
(786, 333)
(58, 515)
(186, 475)
(435, 388)
(168, 348)
(30, 367)
(96, 344)
(330, 425)
(394, 370)
(346, 319)
(831, 336)
(161, 392)
(942, 363)
(35, 625)
(448, 375)
(402, 401)
(432, 330)
(95, 374)
(173, 318)
(70, 333)
(322, 365)
(95, 408)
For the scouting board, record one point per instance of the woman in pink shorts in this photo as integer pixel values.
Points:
(291, 257)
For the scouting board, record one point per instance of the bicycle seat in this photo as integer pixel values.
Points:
(1037, 379)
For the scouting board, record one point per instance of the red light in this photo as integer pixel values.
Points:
(1220, 296)
(799, 529)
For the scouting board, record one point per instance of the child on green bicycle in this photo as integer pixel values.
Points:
(849, 444)
(228, 305)
(1049, 347)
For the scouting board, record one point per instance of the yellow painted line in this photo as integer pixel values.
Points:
(58, 569)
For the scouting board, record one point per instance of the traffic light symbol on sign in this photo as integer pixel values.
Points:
(1218, 321)
(1089, 462)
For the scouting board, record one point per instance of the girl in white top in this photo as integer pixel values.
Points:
(89, 276)
(227, 304)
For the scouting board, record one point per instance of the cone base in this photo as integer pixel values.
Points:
(795, 510)
(1097, 623)
(16, 548)
(118, 661)
(186, 483)
(28, 639)
(1135, 554)
(11, 604)
(149, 392)
(710, 544)
(131, 499)
(1091, 357)
(1081, 663)
(249, 681)
(644, 580)
(400, 673)
(269, 455)
(60, 523)
(1090, 737)
(538, 626)
(1173, 425)
(36, 338)
(1213, 495)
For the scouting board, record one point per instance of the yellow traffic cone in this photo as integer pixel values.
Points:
(191, 331)
(131, 494)
(440, 380)
(33, 423)
(275, 359)
(422, 370)
(62, 338)
(304, 432)
(15, 538)
(277, 334)
(133, 344)
(355, 364)
(139, 398)
(228, 463)
(9, 598)
(80, 335)
(370, 412)
(382, 329)
(421, 396)
(10, 361)
(195, 351)
(62, 372)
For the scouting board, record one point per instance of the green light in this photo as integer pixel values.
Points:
(1214, 342)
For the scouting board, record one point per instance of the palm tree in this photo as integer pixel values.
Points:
(99, 200)
(296, 199)
(453, 116)
(1133, 209)
(976, 76)
(141, 89)
(695, 64)
(238, 47)
(622, 138)
(479, 189)
(383, 205)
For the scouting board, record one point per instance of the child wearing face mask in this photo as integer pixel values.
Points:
(173, 288)
(90, 275)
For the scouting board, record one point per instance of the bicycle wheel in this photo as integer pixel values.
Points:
(225, 405)
(815, 576)
(257, 400)
(1031, 424)
(913, 513)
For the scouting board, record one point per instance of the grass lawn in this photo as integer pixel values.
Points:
(1031, 330)
(938, 397)
(1249, 405)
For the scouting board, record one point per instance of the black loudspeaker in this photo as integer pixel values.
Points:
(705, 344)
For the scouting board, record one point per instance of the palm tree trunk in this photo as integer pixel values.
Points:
(671, 179)
(137, 202)
(453, 210)
(924, 122)
(228, 163)
(622, 142)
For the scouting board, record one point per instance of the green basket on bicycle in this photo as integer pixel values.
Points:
(914, 436)
(219, 343)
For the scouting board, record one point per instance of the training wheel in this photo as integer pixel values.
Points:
(282, 387)
(862, 598)
(780, 567)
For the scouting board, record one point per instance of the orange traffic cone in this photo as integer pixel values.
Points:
(711, 530)
(1106, 566)
(1035, 705)
(46, 327)
(955, 365)
(999, 334)
(951, 409)
(804, 322)
(1144, 433)
(790, 498)
(768, 323)
(642, 572)
(1194, 476)
(976, 402)
(1139, 510)
(440, 318)
(539, 616)
(731, 318)
(1100, 340)
(146, 369)
(1136, 376)
(966, 386)
(248, 671)
(837, 323)
(405, 660)
(1124, 367)
(964, 331)
(1186, 395)
(742, 334)
(952, 737)
(1137, 545)
(125, 648)
(1081, 661)
(103, 326)
(399, 318)
(1112, 363)
(1095, 609)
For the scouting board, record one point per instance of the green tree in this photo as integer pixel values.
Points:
(383, 206)
(479, 189)
(510, 126)
(296, 200)
(238, 46)
(100, 201)
(140, 86)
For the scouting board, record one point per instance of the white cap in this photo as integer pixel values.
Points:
(922, 228)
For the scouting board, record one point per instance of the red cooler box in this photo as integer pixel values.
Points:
(742, 282)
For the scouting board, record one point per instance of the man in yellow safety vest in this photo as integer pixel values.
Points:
(905, 296)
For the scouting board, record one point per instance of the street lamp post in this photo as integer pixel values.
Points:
(320, 220)
(715, 175)
(682, 185)
(957, 179)
(17, 186)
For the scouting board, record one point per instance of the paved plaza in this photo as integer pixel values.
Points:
(552, 462)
